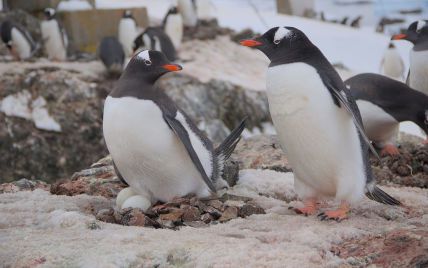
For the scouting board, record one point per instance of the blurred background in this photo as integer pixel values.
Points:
(51, 108)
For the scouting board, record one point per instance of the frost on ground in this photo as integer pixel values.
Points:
(39, 228)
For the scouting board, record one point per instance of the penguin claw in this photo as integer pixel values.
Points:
(337, 215)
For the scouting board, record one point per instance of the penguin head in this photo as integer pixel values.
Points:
(49, 13)
(127, 14)
(150, 64)
(281, 43)
(416, 32)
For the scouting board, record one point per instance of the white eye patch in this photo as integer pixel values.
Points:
(420, 25)
(280, 34)
(144, 55)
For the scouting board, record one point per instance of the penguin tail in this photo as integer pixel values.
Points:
(376, 194)
(226, 148)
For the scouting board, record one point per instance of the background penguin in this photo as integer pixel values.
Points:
(18, 40)
(187, 10)
(204, 9)
(111, 53)
(384, 103)
(173, 26)
(54, 36)
(155, 38)
(417, 33)
(318, 123)
(155, 146)
(127, 32)
(392, 65)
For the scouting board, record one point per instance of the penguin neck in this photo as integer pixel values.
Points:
(141, 87)
(295, 55)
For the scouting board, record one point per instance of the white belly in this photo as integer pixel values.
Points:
(419, 70)
(380, 127)
(54, 44)
(147, 153)
(127, 35)
(21, 44)
(393, 65)
(174, 29)
(320, 139)
(188, 12)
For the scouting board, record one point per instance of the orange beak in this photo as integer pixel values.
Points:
(172, 67)
(250, 43)
(398, 36)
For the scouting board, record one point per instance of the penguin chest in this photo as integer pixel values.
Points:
(53, 39)
(20, 44)
(392, 64)
(319, 138)
(174, 29)
(419, 71)
(146, 151)
(380, 126)
(127, 34)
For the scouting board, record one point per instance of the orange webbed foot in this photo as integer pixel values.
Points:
(310, 207)
(389, 149)
(338, 215)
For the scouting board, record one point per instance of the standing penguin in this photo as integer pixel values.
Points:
(155, 146)
(173, 26)
(392, 65)
(19, 41)
(111, 53)
(154, 38)
(187, 10)
(384, 103)
(127, 32)
(54, 36)
(204, 9)
(417, 33)
(318, 124)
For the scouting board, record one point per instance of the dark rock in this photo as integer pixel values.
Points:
(207, 218)
(229, 214)
(250, 209)
(135, 217)
(174, 215)
(215, 213)
(106, 215)
(232, 197)
(217, 204)
(205, 30)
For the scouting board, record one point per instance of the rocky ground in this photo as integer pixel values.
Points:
(250, 222)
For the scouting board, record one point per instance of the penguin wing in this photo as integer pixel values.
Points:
(346, 100)
(183, 135)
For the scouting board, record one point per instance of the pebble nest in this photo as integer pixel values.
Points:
(184, 211)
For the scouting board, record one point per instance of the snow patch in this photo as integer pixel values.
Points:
(73, 5)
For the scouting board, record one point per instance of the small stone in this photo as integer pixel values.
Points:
(207, 218)
(228, 214)
(106, 215)
(250, 209)
(191, 214)
(213, 212)
(227, 196)
(174, 216)
(94, 226)
(217, 204)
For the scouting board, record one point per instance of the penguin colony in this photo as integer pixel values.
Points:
(326, 126)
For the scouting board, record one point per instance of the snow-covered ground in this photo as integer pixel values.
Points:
(37, 228)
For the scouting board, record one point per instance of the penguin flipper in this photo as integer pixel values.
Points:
(342, 96)
(408, 78)
(226, 148)
(183, 135)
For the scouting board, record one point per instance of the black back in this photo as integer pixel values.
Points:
(6, 33)
(155, 34)
(396, 98)
(111, 51)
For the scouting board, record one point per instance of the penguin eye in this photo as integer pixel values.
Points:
(147, 62)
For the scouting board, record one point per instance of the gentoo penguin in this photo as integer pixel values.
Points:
(384, 103)
(155, 146)
(318, 123)
(173, 26)
(187, 10)
(417, 33)
(392, 65)
(154, 38)
(111, 53)
(54, 36)
(356, 22)
(18, 40)
(127, 32)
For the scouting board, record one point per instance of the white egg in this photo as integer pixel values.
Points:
(123, 195)
(137, 201)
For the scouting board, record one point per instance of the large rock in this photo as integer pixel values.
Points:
(52, 124)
